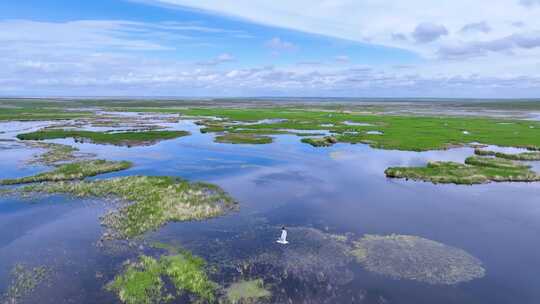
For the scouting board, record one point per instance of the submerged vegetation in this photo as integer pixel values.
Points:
(416, 258)
(24, 281)
(143, 281)
(78, 170)
(154, 200)
(243, 138)
(476, 170)
(245, 292)
(525, 156)
(118, 138)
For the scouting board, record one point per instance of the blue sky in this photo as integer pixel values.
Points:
(269, 48)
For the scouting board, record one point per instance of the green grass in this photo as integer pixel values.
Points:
(525, 156)
(120, 138)
(476, 170)
(27, 114)
(243, 138)
(155, 201)
(78, 170)
(143, 282)
(412, 133)
(247, 292)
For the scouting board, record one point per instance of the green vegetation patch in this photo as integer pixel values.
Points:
(24, 281)
(120, 138)
(78, 170)
(326, 141)
(245, 292)
(143, 281)
(411, 133)
(416, 258)
(155, 201)
(243, 138)
(476, 170)
(525, 156)
(27, 114)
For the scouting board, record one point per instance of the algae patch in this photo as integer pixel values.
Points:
(154, 201)
(78, 170)
(476, 170)
(247, 292)
(144, 281)
(416, 258)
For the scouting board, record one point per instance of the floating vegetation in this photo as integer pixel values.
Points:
(525, 156)
(416, 258)
(245, 292)
(476, 170)
(155, 201)
(119, 138)
(24, 281)
(78, 170)
(243, 138)
(143, 281)
(326, 141)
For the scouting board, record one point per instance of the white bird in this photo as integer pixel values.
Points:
(283, 238)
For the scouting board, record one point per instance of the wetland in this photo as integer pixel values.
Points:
(140, 201)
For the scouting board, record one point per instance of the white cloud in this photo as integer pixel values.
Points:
(376, 21)
(342, 59)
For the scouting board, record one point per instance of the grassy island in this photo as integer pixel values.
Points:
(243, 138)
(525, 156)
(78, 170)
(55, 153)
(326, 141)
(144, 280)
(476, 170)
(24, 280)
(118, 138)
(154, 201)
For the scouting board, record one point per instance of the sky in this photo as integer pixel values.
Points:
(249, 48)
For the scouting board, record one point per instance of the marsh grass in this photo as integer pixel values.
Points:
(410, 133)
(245, 292)
(119, 138)
(525, 156)
(243, 138)
(154, 201)
(145, 280)
(72, 171)
(476, 170)
(416, 258)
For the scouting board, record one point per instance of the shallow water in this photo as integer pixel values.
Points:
(339, 190)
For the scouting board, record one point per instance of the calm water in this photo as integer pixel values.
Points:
(340, 190)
